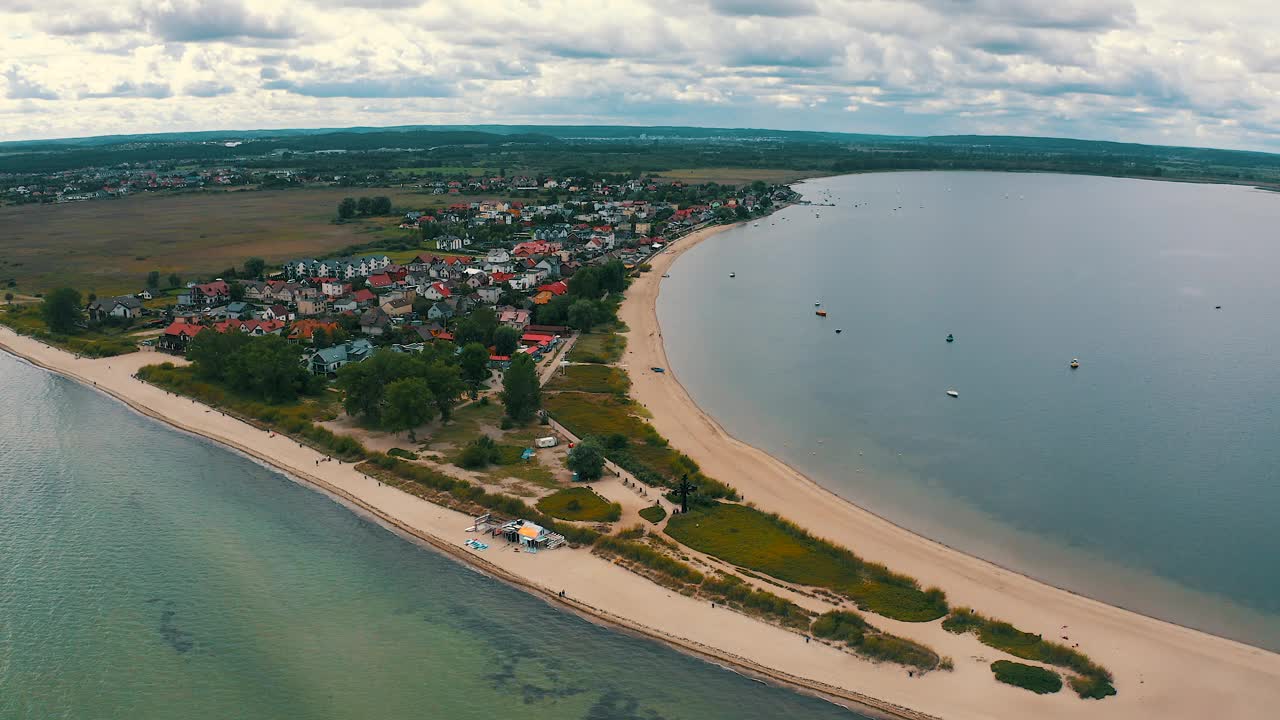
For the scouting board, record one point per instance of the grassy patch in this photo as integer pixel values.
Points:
(579, 504)
(598, 347)
(402, 454)
(28, 320)
(645, 453)
(1092, 681)
(654, 513)
(1032, 677)
(591, 379)
(294, 419)
(865, 639)
(768, 544)
(736, 593)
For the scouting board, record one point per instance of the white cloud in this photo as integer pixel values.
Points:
(1141, 70)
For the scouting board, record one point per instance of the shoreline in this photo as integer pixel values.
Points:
(862, 704)
(1113, 636)
(1161, 670)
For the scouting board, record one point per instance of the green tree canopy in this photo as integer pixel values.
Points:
(474, 365)
(582, 315)
(153, 279)
(61, 310)
(409, 403)
(254, 266)
(587, 459)
(347, 208)
(505, 340)
(520, 391)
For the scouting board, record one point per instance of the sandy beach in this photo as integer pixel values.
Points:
(1162, 671)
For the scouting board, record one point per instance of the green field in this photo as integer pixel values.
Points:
(592, 379)
(765, 543)
(579, 503)
(597, 347)
(109, 246)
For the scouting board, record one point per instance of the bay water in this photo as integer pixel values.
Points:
(1148, 478)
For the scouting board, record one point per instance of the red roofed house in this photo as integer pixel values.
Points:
(497, 278)
(177, 336)
(436, 291)
(364, 295)
(210, 293)
(381, 280)
(304, 329)
(556, 288)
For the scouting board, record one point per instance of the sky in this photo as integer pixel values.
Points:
(1180, 72)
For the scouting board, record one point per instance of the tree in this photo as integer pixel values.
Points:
(582, 315)
(364, 205)
(684, 488)
(409, 403)
(212, 353)
(585, 283)
(613, 276)
(175, 280)
(381, 205)
(476, 327)
(478, 453)
(153, 279)
(8, 298)
(587, 459)
(237, 292)
(474, 366)
(347, 208)
(62, 310)
(268, 367)
(254, 266)
(505, 340)
(520, 391)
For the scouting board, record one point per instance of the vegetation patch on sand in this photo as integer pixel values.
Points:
(591, 379)
(865, 639)
(581, 504)
(102, 342)
(766, 543)
(629, 441)
(654, 513)
(1032, 677)
(1090, 681)
(597, 347)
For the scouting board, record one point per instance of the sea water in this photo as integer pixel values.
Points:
(1148, 478)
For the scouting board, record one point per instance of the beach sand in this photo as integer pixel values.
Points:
(1162, 671)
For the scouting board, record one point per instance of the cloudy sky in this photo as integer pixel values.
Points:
(1160, 71)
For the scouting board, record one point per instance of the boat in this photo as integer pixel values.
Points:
(755, 225)
(838, 331)
(951, 338)
(820, 313)
(817, 304)
(1075, 363)
(953, 393)
(666, 274)
(733, 274)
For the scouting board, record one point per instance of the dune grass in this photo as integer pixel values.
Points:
(654, 513)
(597, 347)
(1031, 677)
(768, 544)
(591, 379)
(1091, 680)
(865, 639)
(579, 503)
(643, 452)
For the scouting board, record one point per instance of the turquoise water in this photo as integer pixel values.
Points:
(148, 574)
(1149, 477)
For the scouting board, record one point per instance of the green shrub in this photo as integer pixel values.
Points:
(654, 513)
(860, 636)
(749, 538)
(402, 453)
(581, 504)
(680, 573)
(1032, 677)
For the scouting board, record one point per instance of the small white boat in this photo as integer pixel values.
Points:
(953, 393)
(733, 274)
(1075, 363)
(755, 225)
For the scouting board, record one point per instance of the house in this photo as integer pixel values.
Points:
(145, 295)
(304, 329)
(213, 293)
(542, 297)
(308, 306)
(364, 297)
(517, 318)
(555, 288)
(177, 336)
(256, 328)
(436, 291)
(489, 294)
(440, 311)
(397, 307)
(255, 290)
(328, 360)
(276, 312)
(380, 281)
(497, 256)
(345, 305)
(124, 307)
(374, 321)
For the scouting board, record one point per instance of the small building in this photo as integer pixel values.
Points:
(124, 307)
(327, 360)
(177, 336)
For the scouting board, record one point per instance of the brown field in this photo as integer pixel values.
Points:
(739, 176)
(109, 246)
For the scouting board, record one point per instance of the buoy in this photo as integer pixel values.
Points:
(838, 331)
(951, 338)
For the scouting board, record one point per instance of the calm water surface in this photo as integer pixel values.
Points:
(1149, 478)
(149, 574)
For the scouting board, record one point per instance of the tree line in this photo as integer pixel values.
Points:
(365, 206)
